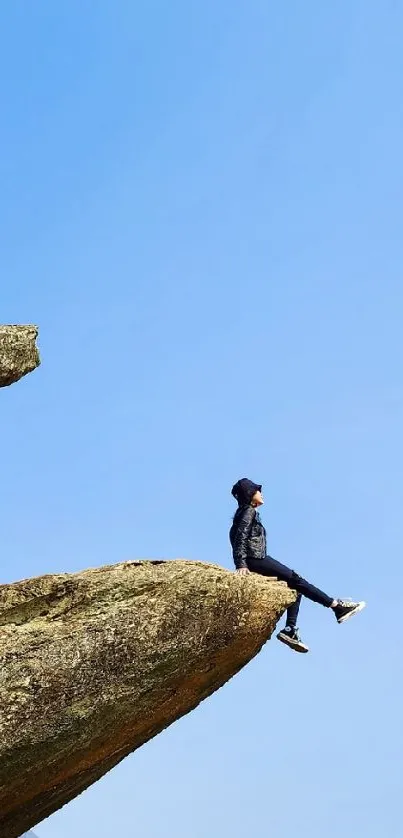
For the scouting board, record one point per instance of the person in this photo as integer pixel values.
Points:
(248, 541)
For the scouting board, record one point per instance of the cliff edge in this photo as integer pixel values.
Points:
(94, 664)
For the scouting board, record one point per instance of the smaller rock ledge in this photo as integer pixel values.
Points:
(19, 354)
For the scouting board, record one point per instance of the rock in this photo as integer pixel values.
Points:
(94, 664)
(18, 353)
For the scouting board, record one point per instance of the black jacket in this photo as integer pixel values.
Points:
(247, 536)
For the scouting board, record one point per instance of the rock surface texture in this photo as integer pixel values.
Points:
(94, 664)
(18, 353)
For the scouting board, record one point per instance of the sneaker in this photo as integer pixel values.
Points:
(290, 636)
(346, 609)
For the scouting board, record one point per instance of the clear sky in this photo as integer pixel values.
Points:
(201, 206)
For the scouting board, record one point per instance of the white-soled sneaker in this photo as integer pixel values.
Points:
(345, 609)
(290, 636)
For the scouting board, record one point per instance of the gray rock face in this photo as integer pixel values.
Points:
(94, 664)
(18, 353)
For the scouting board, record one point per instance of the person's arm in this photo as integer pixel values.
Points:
(240, 548)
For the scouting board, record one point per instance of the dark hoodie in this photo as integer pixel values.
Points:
(247, 534)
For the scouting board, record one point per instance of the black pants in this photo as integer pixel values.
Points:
(270, 567)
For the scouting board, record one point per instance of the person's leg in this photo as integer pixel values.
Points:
(292, 613)
(271, 567)
(289, 634)
(342, 609)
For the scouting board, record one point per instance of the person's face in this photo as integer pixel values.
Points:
(257, 499)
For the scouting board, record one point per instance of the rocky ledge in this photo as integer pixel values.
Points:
(18, 353)
(94, 664)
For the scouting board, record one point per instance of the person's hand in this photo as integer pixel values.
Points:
(243, 571)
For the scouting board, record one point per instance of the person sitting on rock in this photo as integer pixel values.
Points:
(248, 541)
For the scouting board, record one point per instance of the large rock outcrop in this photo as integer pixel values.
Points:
(18, 353)
(94, 664)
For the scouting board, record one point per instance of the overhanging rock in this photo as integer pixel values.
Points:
(94, 664)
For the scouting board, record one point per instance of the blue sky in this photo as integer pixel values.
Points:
(201, 207)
